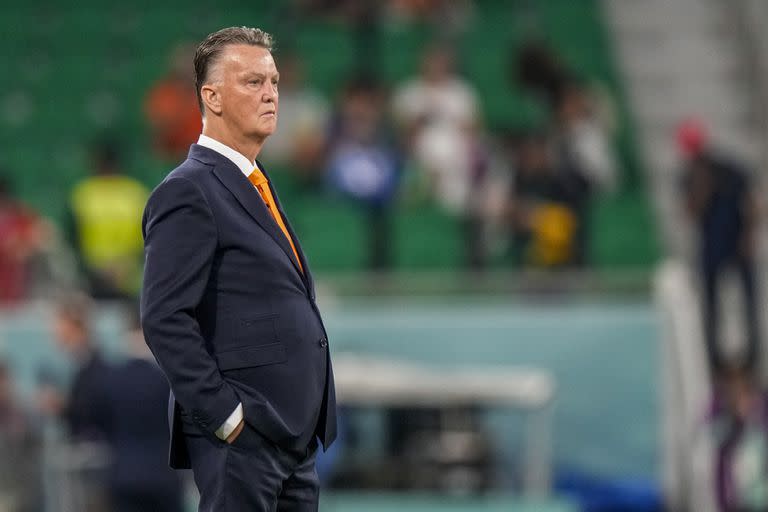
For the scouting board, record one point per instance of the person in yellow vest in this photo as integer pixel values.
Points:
(553, 231)
(105, 214)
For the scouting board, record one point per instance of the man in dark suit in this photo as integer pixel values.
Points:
(85, 409)
(228, 305)
(139, 478)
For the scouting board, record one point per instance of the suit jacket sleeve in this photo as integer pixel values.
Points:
(180, 240)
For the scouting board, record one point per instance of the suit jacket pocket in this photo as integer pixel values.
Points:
(254, 330)
(258, 355)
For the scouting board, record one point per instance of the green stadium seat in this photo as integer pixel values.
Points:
(121, 49)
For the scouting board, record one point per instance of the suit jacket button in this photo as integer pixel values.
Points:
(323, 342)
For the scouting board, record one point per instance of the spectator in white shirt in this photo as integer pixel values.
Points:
(438, 112)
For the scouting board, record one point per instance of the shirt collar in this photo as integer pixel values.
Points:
(237, 158)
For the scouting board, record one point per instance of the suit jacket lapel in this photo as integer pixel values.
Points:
(306, 275)
(249, 198)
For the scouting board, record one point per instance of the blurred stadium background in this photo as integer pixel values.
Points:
(515, 261)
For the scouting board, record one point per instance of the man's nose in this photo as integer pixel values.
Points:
(269, 94)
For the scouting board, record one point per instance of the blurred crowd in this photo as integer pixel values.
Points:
(520, 194)
(98, 246)
(95, 440)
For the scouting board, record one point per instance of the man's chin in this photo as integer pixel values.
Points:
(263, 133)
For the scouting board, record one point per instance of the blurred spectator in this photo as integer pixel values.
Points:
(105, 225)
(304, 115)
(582, 139)
(438, 113)
(546, 199)
(22, 236)
(582, 120)
(171, 107)
(739, 424)
(363, 163)
(19, 444)
(719, 198)
(538, 69)
(583, 146)
(140, 479)
(85, 409)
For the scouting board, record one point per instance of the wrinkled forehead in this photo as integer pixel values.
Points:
(242, 58)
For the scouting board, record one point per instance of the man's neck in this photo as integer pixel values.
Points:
(246, 146)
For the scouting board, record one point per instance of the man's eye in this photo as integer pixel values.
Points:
(254, 82)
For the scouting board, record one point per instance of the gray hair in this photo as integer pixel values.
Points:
(211, 47)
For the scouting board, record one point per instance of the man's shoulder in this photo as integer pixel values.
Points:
(191, 169)
(186, 184)
(191, 173)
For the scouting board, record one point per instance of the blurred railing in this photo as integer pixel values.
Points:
(687, 452)
(74, 474)
(490, 283)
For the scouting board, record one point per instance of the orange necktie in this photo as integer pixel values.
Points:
(260, 182)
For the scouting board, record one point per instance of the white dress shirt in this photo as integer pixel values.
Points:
(237, 158)
(247, 167)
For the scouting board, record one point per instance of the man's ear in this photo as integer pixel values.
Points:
(211, 98)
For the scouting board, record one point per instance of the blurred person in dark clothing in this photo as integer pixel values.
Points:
(22, 235)
(171, 106)
(544, 207)
(364, 164)
(719, 198)
(583, 146)
(137, 400)
(582, 139)
(85, 408)
(20, 446)
(105, 225)
(539, 69)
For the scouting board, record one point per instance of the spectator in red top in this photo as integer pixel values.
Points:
(171, 107)
(21, 237)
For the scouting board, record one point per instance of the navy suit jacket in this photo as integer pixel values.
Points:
(138, 394)
(87, 413)
(228, 314)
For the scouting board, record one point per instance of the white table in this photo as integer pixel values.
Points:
(373, 381)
